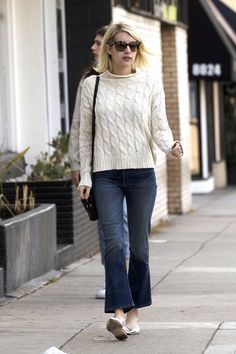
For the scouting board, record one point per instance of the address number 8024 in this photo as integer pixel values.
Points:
(204, 69)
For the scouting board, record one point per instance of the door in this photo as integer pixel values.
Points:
(230, 132)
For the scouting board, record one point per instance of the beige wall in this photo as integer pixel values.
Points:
(184, 116)
(176, 85)
(230, 3)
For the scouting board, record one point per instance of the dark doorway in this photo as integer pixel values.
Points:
(83, 18)
(230, 132)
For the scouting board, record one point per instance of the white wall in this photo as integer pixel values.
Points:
(150, 32)
(4, 79)
(29, 116)
(52, 68)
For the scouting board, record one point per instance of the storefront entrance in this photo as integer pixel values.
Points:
(230, 132)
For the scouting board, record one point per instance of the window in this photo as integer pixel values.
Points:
(56, 65)
(168, 10)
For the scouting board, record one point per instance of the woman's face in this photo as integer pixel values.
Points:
(123, 52)
(95, 48)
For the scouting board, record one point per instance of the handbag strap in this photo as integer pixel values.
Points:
(94, 117)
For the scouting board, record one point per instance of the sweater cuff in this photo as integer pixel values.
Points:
(75, 165)
(167, 149)
(85, 179)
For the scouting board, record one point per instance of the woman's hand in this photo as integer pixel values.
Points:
(177, 149)
(75, 176)
(84, 191)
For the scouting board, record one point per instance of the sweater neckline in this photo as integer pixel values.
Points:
(121, 76)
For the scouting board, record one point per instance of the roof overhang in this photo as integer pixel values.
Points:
(212, 41)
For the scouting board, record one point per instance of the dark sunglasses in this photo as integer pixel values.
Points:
(121, 46)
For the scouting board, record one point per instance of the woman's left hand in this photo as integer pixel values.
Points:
(177, 149)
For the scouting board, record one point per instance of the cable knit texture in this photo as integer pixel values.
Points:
(73, 150)
(130, 119)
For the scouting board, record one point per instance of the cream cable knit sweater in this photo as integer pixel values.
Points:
(130, 119)
(73, 150)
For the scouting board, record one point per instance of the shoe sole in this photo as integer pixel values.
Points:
(132, 332)
(116, 328)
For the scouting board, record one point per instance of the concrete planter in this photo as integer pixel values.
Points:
(57, 192)
(76, 234)
(28, 245)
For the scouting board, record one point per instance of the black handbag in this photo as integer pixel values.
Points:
(89, 204)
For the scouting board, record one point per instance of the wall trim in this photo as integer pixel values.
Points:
(203, 186)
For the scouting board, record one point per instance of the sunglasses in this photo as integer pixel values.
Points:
(121, 46)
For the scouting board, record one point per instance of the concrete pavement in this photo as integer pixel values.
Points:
(193, 271)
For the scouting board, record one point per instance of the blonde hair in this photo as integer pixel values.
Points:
(105, 61)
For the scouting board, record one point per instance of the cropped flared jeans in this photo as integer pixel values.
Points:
(133, 289)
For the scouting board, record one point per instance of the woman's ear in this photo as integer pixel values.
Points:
(108, 49)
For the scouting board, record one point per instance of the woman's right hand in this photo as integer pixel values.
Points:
(177, 149)
(84, 191)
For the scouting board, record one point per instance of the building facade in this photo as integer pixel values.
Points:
(45, 44)
(34, 92)
(212, 72)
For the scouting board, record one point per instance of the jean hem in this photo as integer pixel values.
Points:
(112, 309)
(143, 305)
(127, 308)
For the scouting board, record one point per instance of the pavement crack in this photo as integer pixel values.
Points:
(212, 337)
(191, 256)
(75, 335)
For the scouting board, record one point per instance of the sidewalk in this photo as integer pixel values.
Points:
(193, 269)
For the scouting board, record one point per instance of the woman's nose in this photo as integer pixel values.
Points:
(127, 49)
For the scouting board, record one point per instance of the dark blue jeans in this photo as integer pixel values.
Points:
(125, 239)
(124, 290)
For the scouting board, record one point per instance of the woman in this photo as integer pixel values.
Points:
(130, 118)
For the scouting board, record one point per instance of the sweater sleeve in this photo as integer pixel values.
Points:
(85, 137)
(73, 150)
(161, 132)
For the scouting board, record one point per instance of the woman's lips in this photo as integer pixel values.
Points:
(126, 58)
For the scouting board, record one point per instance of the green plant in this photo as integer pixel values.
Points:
(53, 279)
(54, 166)
(6, 166)
(26, 202)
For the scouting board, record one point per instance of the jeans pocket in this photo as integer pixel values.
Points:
(145, 176)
